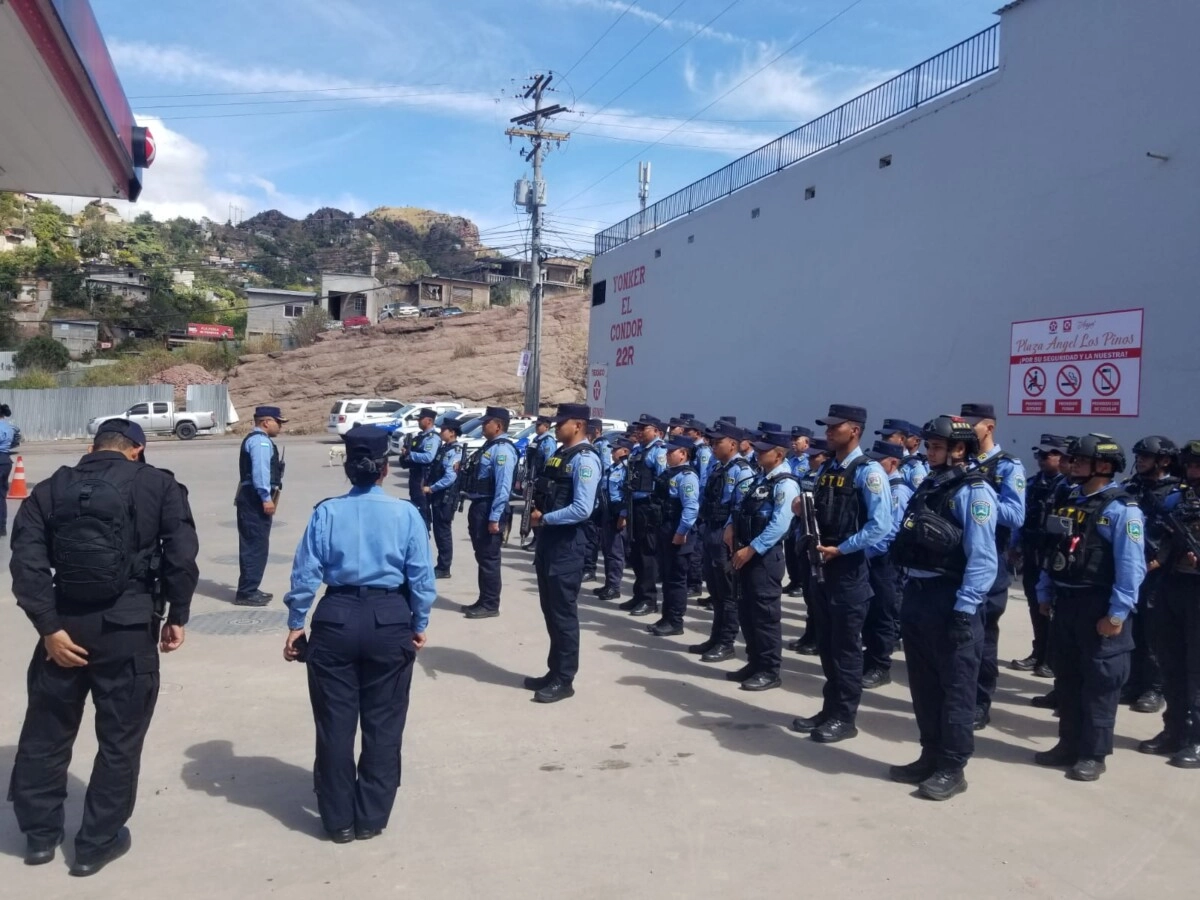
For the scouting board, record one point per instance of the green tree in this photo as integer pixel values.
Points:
(42, 353)
(306, 328)
(46, 222)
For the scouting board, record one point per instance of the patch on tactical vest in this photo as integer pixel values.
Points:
(875, 483)
(1134, 530)
(981, 510)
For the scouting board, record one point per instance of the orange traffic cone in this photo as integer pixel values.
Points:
(18, 490)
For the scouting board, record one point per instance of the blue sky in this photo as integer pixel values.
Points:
(297, 104)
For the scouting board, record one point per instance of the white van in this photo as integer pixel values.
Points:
(345, 414)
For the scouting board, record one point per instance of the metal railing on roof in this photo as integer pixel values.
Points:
(973, 58)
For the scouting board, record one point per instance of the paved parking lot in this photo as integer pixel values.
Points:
(659, 779)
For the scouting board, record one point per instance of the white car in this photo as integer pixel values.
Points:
(406, 422)
(345, 414)
(399, 311)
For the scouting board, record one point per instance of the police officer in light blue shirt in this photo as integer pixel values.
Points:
(260, 469)
(881, 630)
(915, 466)
(442, 492)
(1094, 562)
(797, 461)
(487, 483)
(947, 545)
(643, 516)
(677, 491)
(595, 525)
(702, 462)
(564, 501)
(419, 451)
(754, 535)
(854, 512)
(612, 532)
(1007, 476)
(8, 440)
(372, 551)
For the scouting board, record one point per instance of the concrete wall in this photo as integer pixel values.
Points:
(1027, 195)
(266, 311)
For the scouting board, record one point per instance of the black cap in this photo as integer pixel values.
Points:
(769, 426)
(680, 442)
(269, 412)
(769, 440)
(454, 423)
(497, 412)
(595, 424)
(623, 443)
(131, 430)
(686, 416)
(978, 411)
(884, 450)
(694, 424)
(722, 430)
(366, 442)
(816, 446)
(677, 422)
(801, 431)
(548, 420)
(654, 421)
(1051, 443)
(426, 413)
(567, 411)
(893, 426)
(840, 412)
(732, 420)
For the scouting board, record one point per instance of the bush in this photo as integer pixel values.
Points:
(33, 380)
(42, 353)
(464, 351)
(308, 326)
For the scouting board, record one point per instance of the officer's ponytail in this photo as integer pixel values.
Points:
(364, 472)
(5, 412)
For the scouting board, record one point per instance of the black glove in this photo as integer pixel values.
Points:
(960, 629)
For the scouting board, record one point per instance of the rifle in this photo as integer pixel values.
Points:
(276, 491)
(1179, 522)
(527, 496)
(812, 536)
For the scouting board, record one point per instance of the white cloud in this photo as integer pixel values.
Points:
(686, 26)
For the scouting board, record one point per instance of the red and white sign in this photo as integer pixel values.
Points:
(1089, 365)
(200, 329)
(597, 389)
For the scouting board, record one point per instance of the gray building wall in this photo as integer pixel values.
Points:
(270, 311)
(77, 337)
(1026, 195)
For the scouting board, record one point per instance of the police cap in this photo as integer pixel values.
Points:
(694, 424)
(770, 426)
(816, 447)
(681, 442)
(1051, 443)
(978, 411)
(732, 420)
(653, 421)
(497, 412)
(269, 412)
(365, 442)
(801, 431)
(687, 416)
(595, 424)
(567, 411)
(677, 422)
(885, 450)
(722, 430)
(769, 440)
(840, 412)
(1100, 447)
(130, 430)
(426, 413)
(893, 426)
(453, 423)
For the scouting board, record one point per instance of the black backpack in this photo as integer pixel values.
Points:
(93, 534)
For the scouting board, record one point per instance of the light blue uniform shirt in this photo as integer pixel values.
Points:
(653, 455)
(604, 448)
(260, 448)
(704, 460)
(500, 459)
(427, 448)
(6, 436)
(684, 486)
(451, 462)
(584, 469)
(614, 484)
(785, 490)
(871, 482)
(901, 494)
(546, 445)
(1125, 529)
(738, 481)
(1011, 490)
(363, 539)
(799, 465)
(914, 470)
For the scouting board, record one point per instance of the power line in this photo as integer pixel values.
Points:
(722, 96)
(625, 55)
(362, 99)
(603, 35)
(363, 87)
(293, 112)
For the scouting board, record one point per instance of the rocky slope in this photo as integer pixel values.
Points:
(471, 358)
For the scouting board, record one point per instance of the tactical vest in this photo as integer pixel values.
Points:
(1185, 516)
(841, 510)
(1039, 500)
(1150, 494)
(246, 467)
(473, 482)
(755, 511)
(671, 507)
(640, 477)
(554, 488)
(991, 470)
(1073, 551)
(913, 459)
(930, 537)
(712, 510)
(437, 468)
(534, 456)
(414, 446)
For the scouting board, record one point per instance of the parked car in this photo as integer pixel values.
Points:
(452, 311)
(405, 424)
(399, 311)
(345, 414)
(161, 417)
(355, 322)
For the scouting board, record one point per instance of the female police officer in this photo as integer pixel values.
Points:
(373, 552)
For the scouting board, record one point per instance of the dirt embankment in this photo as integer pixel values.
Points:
(471, 358)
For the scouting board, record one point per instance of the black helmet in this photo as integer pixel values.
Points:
(1098, 446)
(1190, 452)
(1155, 445)
(951, 429)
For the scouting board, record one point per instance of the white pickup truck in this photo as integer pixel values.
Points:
(160, 417)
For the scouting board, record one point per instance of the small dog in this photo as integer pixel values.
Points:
(337, 455)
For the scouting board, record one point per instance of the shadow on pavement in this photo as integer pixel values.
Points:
(216, 590)
(452, 661)
(279, 789)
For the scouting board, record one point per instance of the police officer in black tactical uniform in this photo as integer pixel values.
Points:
(104, 565)
(854, 512)
(1155, 463)
(1093, 564)
(727, 484)
(1175, 618)
(564, 498)
(260, 471)
(947, 545)
(1039, 499)
(441, 489)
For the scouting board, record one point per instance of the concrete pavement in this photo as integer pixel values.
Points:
(659, 779)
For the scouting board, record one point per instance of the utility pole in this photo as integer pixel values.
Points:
(643, 193)
(533, 197)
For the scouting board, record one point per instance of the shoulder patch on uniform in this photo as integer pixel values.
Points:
(1133, 528)
(585, 471)
(981, 510)
(1020, 482)
(874, 482)
(501, 458)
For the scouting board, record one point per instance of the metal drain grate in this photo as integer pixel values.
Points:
(240, 622)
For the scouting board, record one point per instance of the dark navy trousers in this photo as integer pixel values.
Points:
(416, 492)
(837, 610)
(1175, 620)
(760, 611)
(882, 625)
(719, 577)
(442, 508)
(942, 676)
(993, 608)
(676, 569)
(254, 540)
(487, 552)
(360, 664)
(1089, 670)
(1040, 623)
(614, 543)
(558, 562)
